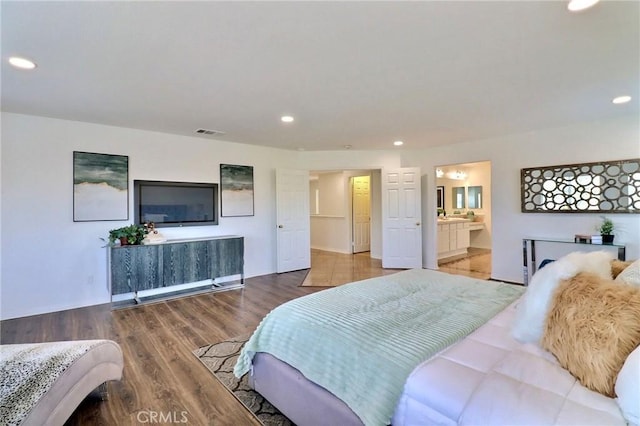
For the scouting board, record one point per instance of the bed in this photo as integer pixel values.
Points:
(416, 347)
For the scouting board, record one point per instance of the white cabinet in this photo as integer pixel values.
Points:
(453, 238)
(443, 238)
(463, 239)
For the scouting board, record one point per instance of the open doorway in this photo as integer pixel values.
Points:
(344, 207)
(395, 215)
(345, 227)
(464, 225)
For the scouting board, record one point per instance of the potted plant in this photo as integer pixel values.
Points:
(128, 235)
(606, 230)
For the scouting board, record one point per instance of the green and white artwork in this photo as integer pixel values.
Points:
(236, 183)
(100, 187)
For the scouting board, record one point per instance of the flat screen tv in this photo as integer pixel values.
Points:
(175, 203)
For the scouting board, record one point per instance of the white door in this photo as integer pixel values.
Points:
(293, 223)
(401, 218)
(361, 214)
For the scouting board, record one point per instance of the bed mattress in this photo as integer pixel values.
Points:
(489, 378)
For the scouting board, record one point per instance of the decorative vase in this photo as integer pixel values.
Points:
(607, 239)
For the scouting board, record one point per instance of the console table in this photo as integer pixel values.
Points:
(168, 266)
(532, 243)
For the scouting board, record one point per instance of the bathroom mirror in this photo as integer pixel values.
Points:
(475, 197)
(457, 202)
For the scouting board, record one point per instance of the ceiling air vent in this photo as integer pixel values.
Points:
(209, 132)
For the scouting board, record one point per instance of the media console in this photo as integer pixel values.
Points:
(174, 267)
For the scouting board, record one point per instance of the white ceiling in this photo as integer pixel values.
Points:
(351, 73)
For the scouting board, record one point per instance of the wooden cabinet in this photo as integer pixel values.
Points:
(155, 266)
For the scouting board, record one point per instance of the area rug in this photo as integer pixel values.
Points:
(220, 358)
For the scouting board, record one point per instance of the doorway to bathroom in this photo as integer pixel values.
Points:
(464, 225)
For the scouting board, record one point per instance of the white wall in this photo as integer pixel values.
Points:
(330, 233)
(604, 140)
(50, 263)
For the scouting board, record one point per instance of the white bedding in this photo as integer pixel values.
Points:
(490, 379)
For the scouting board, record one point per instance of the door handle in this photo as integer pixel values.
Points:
(417, 223)
(280, 226)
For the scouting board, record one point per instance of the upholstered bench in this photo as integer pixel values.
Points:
(43, 383)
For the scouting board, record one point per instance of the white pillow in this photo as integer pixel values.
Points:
(532, 309)
(628, 388)
(631, 274)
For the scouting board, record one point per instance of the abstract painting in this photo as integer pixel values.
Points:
(236, 183)
(100, 187)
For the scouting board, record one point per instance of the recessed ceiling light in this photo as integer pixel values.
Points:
(398, 143)
(621, 99)
(578, 5)
(22, 63)
(286, 119)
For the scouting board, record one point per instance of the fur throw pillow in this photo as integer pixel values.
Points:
(533, 308)
(592, 326)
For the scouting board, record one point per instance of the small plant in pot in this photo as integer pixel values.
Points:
(606, 230)
(128, 235)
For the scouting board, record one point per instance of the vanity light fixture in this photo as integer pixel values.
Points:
(456, 175)
(439, 173)
(286, 119)
(398, 143)
(621, 99)
(579, 5)
(22, 63)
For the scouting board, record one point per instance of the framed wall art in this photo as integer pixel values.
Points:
(600, 187)
(236, 188)
(440, 197)
(100, 187)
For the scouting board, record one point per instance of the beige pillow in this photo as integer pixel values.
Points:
(592, 326)
(630, 275)
(618, 266)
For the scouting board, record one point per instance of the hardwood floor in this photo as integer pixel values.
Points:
(161, 375)
(476, 264)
